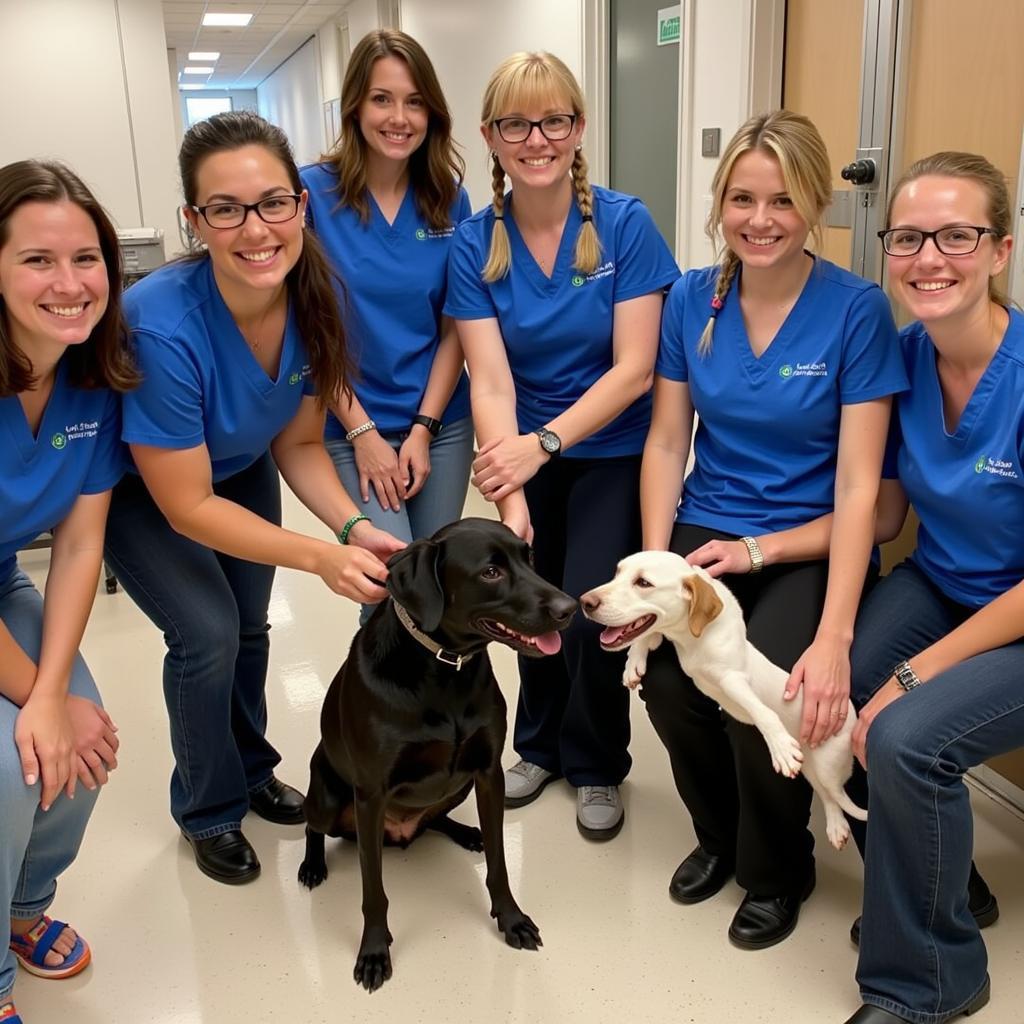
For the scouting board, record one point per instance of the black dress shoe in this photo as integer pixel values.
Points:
(982, 903)
(762, 921)
(227, 857)
(699, 877)
(876, 1015)
(279, 803)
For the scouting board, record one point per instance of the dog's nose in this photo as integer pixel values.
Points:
(562, 608)
(591, 602)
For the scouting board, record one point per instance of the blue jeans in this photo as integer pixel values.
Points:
(35, 846)
(921, 954)
(212, 610)
(437, 504)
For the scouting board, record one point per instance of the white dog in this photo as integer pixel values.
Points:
(657, 593)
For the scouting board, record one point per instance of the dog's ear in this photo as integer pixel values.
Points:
(413, 582)
(705, 604)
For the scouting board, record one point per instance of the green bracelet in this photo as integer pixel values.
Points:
(347, 528)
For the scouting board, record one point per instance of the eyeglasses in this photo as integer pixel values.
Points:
(272, 210)
(960, 240)
(554, 127)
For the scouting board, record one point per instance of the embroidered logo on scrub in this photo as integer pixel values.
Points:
(995, 467)
(299, 376)
(74, 432)
(605, 270)
(803, 370)
(424, 233)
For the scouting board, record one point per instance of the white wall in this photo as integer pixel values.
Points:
(713, 94)
(85, 81)
(467, 41)
(363, 17)
(291, 98)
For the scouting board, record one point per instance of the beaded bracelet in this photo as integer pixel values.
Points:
(349, 523)
(361, 429)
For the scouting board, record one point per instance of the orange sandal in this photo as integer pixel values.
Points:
(32, 947)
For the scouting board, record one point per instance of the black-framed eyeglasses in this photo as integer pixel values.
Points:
(957, 240)
(272, 210)
(554, 127)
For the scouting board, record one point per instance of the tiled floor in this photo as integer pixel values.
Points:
(172, 947)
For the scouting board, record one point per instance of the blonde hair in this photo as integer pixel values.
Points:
(519, 82)
(971, 167)
(803, 159)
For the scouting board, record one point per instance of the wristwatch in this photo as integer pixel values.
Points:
(549, 441)
(434, 426)
(906, 677)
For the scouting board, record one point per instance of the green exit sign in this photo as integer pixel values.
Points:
(668, 25)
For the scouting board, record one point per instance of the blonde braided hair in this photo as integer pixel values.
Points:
(588, 245)
(499, 259)
(518, 82)
(726, 272)
(797, 145)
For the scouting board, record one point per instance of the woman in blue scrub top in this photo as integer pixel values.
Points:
(938, 655)
(557, 291)
(234, 346)
(384, 203)
(63, 355)
(790, 362)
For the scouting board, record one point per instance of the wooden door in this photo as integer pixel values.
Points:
(822, 80)
(965, 90)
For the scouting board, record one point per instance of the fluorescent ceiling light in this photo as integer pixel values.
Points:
(196, 70)
(200, 55)
(230, 20)
(187, 85)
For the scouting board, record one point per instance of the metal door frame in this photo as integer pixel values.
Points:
(883, 88)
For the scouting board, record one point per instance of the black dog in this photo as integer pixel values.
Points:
(414, 718)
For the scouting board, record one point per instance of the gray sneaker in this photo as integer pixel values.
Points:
(599, 812)
(524, 782)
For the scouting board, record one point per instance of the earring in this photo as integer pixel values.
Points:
(579, 147)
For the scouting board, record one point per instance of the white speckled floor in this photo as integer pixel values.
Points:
(172, 947)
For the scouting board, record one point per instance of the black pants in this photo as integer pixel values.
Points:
(573, 714)
(740, 806)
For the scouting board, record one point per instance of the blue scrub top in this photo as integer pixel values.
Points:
(558, 330)
(76, 451)
(396, 277)
(967, 487)
(201, 383)
(768, 435)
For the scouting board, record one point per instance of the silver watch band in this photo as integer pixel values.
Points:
(754, 550)
(906, 677)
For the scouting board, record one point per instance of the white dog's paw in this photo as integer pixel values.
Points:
(636, 659)
(633, 675)
(838, 831)
(787, 754)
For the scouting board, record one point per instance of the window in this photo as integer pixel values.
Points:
(199, 108)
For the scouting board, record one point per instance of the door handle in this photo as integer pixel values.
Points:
(860, 172)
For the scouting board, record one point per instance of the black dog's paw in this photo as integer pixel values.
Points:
(312, 874)
(519, 931)
(469, 837)
(373, 965)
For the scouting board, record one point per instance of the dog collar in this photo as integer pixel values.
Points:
(443, 656)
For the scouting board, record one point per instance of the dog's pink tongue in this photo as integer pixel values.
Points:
(549, 643)
(611, 634)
